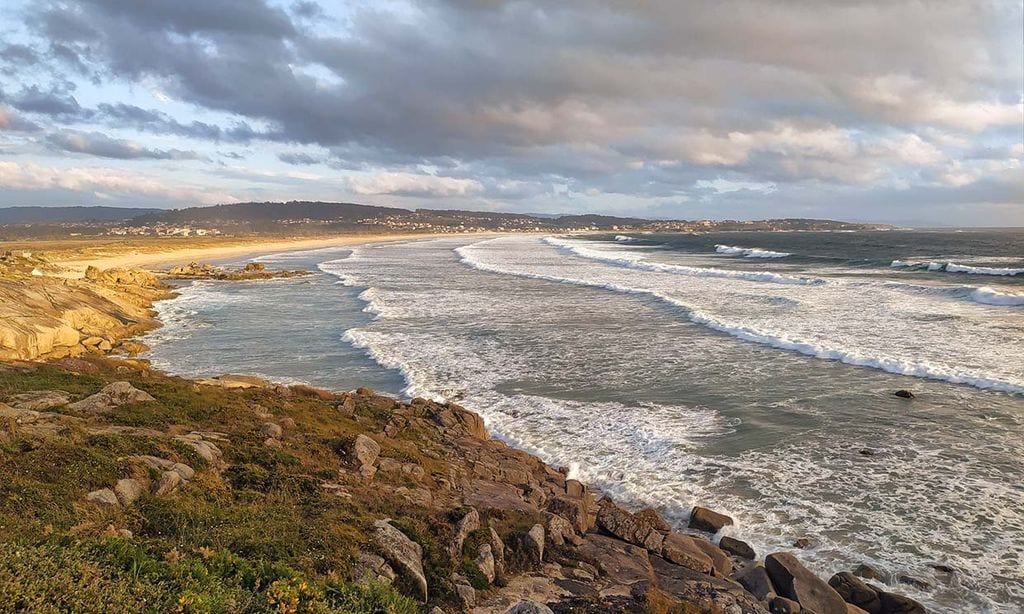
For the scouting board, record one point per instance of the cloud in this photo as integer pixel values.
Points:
(102, 182)
(57, 101)
(410, 184)
(103, 146)
(13, 122)
(504, 101)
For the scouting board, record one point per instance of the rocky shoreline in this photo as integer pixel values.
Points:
(251, 271)
(410, 495)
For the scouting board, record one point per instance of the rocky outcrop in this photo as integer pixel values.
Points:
(794, 581)
(403, 554)
(467, 524)
(48, 317)
(684, 551)
(111, 397)
(40, 400)
(535, 543)
(645, 528)
(251, 271)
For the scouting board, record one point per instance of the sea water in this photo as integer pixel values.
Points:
(749, 372)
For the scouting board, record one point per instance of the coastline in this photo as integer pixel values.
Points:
(687, 566)
(76, 265)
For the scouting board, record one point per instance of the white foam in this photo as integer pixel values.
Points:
(625, 239)
(634, 260)
(781, 341)
(953, 267)
(990, 296)
(983, 295)
(749, 252)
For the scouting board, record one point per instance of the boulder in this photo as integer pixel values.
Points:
(645, 528)
(206, 449)
(682, 550)
(485, 494)
(111, 397)
(781, 605)
(269, 429)
(529, 607)
(700, 592)
(535, 543)
(574, 510)
(755, 579)
(854, 590)
(867, 571)
(484, 561)
(794, 581)
(891, 603)
(169, 482)
(719, 559)
(803, 543)
(737, 547)
(575, 489)
(703, 519)
(103, 497)
(128, 490)
(622, 563)
(915, 582)
(560, 530)
(466, 595)
(18, 415)
(366, 450)
(403, 554)
(467, 524)
(40, 400)
(186, 472)
(371, 567)
(498, 550)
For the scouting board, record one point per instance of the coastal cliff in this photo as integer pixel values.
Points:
(126, 488)
(52, 317)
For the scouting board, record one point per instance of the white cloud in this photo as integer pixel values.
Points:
(412, 184)
(102, 182)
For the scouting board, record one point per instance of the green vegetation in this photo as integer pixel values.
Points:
(259, 535)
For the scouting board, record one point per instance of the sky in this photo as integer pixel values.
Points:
(897, 111)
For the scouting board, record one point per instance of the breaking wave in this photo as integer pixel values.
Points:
(749, 252)
(896, 366)
(632, 260)
(952, 267)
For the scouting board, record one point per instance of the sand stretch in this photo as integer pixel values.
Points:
(172, 255)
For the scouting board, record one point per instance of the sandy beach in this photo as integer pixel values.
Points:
(162, 256)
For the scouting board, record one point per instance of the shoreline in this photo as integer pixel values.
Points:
(75, 265)
(641, 538)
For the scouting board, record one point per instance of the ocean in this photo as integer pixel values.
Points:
(752, 373)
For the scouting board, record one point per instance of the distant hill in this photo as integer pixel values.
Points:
(58, 215)
(313, 218)
(272, 212)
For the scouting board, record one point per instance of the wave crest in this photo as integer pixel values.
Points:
(749, 252)
(631, 260)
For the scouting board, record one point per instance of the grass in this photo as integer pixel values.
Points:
(261, 536)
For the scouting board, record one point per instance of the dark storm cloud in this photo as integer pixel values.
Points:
(103, 146)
